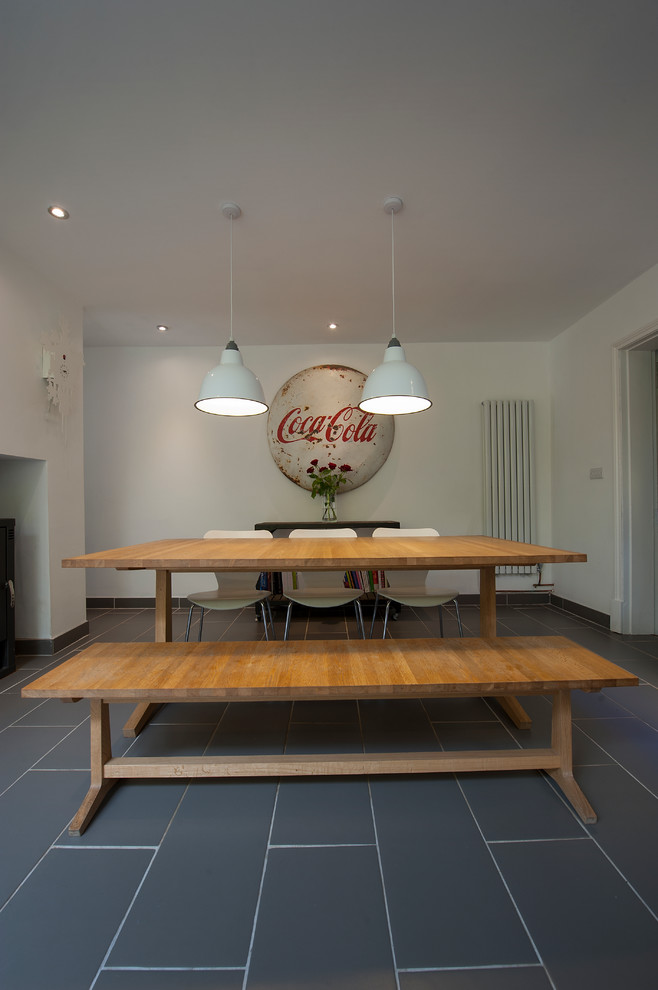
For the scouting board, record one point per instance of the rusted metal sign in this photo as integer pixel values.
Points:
(316, 415)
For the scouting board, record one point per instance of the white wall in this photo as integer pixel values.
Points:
(41, 466)
(155, 467)
(581, 379)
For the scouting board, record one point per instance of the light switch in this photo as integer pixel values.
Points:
(595, 473)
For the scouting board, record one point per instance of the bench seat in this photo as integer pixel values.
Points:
(314, 669)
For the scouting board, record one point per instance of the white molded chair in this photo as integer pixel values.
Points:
(234, 590)
(414, 588)
(323, 589)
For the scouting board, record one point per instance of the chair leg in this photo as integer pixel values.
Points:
(189, 623)
(386, 610)
(441, 620)
(269, 612)
(262, 611)
(374, 613)
(287, 625)
(459, 621)
(201, 622)
(359, 618)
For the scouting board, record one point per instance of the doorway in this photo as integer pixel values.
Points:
(634, 609)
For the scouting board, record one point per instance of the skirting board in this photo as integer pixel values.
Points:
(502, 598)
(48, 647)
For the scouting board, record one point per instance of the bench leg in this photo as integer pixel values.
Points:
(140, 716)
(515, 710)
(561, 743)
(101, 752)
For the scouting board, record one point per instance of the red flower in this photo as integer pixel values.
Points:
(309, 470)
(345, 468)
(315, 462)
(332, 466)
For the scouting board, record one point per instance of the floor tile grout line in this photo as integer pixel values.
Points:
(615, 762)
(506, 885)
(173, 969)
(630, 713)
(321, 845)
(43, 756)
(252, 938)
(383, 887)
(69, 847)
(113, 941)
(268, 846)
(139, 886)
(502, 721)
(547, 838)
(28, 874)
(13, 725)
(467, 969)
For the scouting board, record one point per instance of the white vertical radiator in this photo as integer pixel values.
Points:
(508, 443)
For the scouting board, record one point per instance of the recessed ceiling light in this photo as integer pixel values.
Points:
(58, 212)
(161, 328)
(333, 326)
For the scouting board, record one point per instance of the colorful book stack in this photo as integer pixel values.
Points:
(366, 580)
(270, 581)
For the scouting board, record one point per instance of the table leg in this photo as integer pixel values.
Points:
(163, 606)
(143, 713)
(101, 752)
(487, 602)
(512, 708)
(561, 742)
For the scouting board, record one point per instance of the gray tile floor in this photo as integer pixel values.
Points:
(466, 882)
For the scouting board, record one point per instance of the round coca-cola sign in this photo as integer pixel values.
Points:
(316, 416)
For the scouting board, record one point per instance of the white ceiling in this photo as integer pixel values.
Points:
(521, 135)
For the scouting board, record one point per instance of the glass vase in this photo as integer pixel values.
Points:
(329, 514)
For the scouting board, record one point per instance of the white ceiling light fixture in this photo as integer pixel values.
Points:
(395, 387)
(58, 212)
(230, 389)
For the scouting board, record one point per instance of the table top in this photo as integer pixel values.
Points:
(315, 554)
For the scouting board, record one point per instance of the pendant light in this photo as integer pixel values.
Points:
(395, 387)
(230, 389)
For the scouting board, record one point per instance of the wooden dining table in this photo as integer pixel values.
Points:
(174, 556)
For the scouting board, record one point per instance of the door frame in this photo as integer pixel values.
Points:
(633, 609)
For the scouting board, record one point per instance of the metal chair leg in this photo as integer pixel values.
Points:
(388, 605)
(374, 613)
(441, 620)
(459, 621)
(269, 612)
(203, 611)
(189, 623)
(359, 618)
(287, 625)
(262, 610)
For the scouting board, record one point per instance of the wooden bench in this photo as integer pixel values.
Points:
(307, 669)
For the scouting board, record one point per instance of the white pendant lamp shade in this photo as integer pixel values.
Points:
(394, 387)
(230, 389)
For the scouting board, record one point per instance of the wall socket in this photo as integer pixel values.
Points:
(595, 473)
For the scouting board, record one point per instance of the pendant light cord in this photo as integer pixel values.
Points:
(393, 335)
(231, 278)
